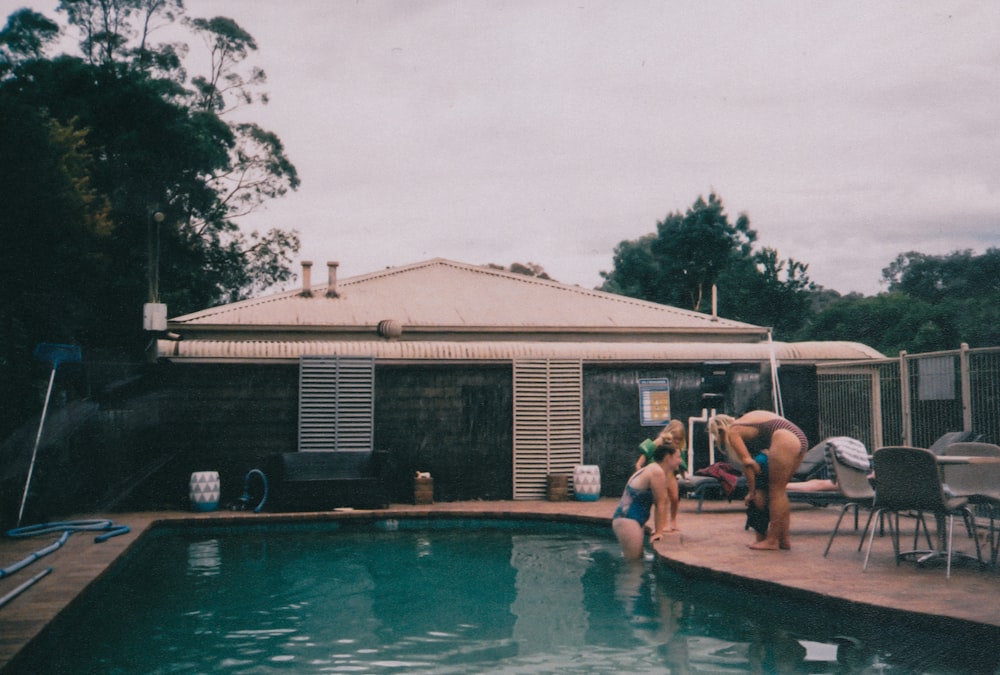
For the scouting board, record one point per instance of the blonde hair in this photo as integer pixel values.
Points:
(718, 425)
(676, 430)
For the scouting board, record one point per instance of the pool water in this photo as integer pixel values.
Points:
(484, 597)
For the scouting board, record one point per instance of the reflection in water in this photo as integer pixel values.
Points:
(204, 558)
(465, 599)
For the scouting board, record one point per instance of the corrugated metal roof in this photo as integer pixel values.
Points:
(394, 350)
(444, 294)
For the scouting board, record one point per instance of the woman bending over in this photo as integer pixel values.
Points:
(770, 449)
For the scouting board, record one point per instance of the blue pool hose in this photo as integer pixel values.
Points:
(245, 498)
(25, 586)
(67, 528)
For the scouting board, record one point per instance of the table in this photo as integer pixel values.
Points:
(987, 500)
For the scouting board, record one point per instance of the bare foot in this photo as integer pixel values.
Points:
(785, 545)
(763, 546)
(673, 530)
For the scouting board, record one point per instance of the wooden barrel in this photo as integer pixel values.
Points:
(423, 490)
(558, 487)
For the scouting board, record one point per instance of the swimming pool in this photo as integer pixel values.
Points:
(447, 596)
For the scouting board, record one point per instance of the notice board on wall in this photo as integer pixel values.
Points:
(654, 401)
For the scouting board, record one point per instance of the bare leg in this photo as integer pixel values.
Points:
(760, 501)
(784, 457)
(630, 537)
(673, 496)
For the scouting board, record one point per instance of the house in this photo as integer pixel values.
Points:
(486, 379)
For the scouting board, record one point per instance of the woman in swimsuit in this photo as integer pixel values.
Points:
(770, 449)
(648, 487)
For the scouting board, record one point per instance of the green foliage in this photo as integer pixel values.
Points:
(24, 37)
(93, 146)
(688, 254)
(933, 303)
(679, 263)
(766, 291)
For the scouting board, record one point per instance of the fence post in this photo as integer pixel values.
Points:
(963, 364)
(877, 439)
(906, 421)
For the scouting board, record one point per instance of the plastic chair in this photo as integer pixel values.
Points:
(857, 492)
(909, 480)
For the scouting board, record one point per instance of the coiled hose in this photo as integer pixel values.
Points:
(66, 528)
(244, 501)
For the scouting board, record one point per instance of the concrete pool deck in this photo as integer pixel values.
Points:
(711, 545)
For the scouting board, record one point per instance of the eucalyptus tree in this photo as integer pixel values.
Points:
(98, 140)
(689, 253)
(678, 264)
(162, 143)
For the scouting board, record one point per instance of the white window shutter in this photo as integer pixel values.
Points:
(336, 403)
(548, 422)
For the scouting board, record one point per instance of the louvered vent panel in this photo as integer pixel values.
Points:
(548, 423)
(336, 403)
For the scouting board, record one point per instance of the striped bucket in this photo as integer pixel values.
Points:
(587, 482)
(205, 490)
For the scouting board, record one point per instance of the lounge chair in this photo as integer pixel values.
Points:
(836, 450)
(940, 446)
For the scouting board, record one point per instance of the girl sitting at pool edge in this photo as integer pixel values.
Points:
(652, 486)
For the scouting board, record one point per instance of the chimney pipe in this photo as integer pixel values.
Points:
(306, 279)
(331, 288)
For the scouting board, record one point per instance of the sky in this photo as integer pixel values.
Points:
(549, 131)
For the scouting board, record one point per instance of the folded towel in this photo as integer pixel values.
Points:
(849, 452)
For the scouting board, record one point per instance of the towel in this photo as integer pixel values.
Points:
(725, 473)
(849, 452)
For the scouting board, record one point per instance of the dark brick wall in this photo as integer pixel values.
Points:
(454, 421)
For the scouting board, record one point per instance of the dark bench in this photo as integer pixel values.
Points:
(322, 481)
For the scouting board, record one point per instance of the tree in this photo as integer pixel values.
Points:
(25, 36)
(680, 262)
(767, 291)
(933, 303)
(688, 254)
(55, 227)
(102, 141)
(528, 269)
(958, 275)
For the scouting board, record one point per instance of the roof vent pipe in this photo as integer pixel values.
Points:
(306, 279)
(331, 286)
(715, 302)
(389, 329)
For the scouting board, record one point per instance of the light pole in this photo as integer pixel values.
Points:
(153, 255)
(154, 314)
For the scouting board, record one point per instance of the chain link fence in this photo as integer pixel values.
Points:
(913, 399)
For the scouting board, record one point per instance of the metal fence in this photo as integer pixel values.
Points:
(913, 399)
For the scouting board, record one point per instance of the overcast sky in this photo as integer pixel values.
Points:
(549, 131)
